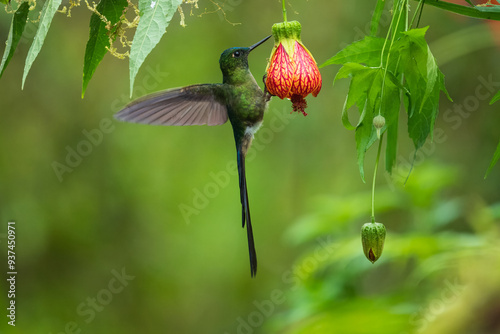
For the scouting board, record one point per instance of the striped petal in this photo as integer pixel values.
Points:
(280, 73)
(307, 78)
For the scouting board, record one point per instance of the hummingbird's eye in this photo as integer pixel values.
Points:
(236, 54)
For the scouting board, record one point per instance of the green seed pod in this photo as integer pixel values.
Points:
(372, 238)
(378, 123)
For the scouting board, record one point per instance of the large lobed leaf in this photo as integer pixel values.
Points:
(424, 81)
(366, 51)
(155, 18)
(377, 86)
(16, 31)
(48, 11)
(374, 91)
(98, 36)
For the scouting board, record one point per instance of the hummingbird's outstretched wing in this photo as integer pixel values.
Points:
(191, 105)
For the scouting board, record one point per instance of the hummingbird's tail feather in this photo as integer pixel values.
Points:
(246, 211)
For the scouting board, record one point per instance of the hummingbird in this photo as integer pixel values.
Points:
(239, 99)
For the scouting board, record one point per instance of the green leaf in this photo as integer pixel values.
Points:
(48, 11)
(155, 18)
(496, 156)
(424, 81)
(495, 98)
(365, 137)
(365, 91)
(15, 33)
(376, 17)
(361, 80)
(99, 36)
(366, 51)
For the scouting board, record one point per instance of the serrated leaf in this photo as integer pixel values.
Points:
(16, 31)
(495, 98)
(361, 80)
(493, 162)
(49, 9)
(424, 81)
(155, 18)
(366, 51)
(365, 91)
(99, 36)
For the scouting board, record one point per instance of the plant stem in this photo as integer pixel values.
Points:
(375, 176)
(463, 10)
(284, 10)
(418, 11)
(404, 6)
(391, 28)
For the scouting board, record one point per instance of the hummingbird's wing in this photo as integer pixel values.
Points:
(191, 105)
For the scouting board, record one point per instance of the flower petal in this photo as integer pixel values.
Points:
(280, 73)
(307, 78)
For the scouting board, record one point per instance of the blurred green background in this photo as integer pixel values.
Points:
(117, 211)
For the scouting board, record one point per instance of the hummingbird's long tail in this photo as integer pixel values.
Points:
(246, 211)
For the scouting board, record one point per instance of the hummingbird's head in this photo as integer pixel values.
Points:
(233, 59)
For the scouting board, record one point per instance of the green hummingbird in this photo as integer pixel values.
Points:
(238, 98)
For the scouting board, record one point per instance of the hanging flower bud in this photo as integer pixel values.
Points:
(372, 238)
(292, 71)
(378, 123)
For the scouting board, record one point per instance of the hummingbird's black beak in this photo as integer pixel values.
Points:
(259, 43)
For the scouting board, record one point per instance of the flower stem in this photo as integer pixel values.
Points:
(477, 12)
(375, 176)
(284, 10)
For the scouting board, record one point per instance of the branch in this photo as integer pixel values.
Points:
(480, 12)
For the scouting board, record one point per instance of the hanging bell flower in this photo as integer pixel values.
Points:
(372, 238)
(292, 71)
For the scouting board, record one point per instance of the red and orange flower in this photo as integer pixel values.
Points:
(292, 71)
